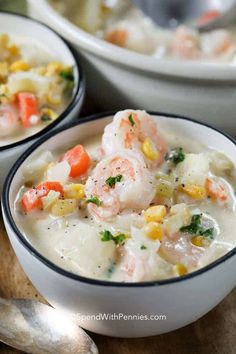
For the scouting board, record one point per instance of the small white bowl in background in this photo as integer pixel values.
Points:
(119, 78)
(182, 300)
(13, 24)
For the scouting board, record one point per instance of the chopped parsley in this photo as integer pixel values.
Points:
(67, 75)
(195, 227)
(176, 156)
(106, 235)
(143, 247)
(95, 200)
(111, 181)
(45, 118)
(3, 95)
(132, 122)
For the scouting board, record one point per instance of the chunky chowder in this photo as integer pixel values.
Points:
(133, 205)
(124, 25)
(34, 88)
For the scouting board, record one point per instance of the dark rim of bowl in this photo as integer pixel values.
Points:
(78, 91)
(26, 244)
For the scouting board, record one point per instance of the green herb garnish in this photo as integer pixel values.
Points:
(176, 156)
(67, 75)
(3, 95)
(106, 235)
(143, 247)
(111, 181)
(45, 118)
(195, 227)
(95, 200)
(132, 122)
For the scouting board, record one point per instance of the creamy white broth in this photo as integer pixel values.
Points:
(29, 67)
(74, 243)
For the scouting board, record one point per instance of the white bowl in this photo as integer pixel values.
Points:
(182, 300)
(19, 25)
(118, 77)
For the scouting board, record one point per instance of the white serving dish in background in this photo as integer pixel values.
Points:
(20, 25)
(119, 78)
(182, 300)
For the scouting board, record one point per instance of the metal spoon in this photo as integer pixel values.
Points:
(37, 328)
(171, 13)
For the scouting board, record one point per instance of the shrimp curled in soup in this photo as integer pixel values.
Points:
(135, 130)
(120, 182)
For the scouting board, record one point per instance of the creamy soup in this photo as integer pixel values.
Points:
(34, 88)
(136, 204)
(121, 24)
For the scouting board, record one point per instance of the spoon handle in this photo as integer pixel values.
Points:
(39, 329)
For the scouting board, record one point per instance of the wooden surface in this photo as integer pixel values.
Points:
(215, 333)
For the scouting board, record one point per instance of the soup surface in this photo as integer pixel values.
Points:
(34, 88)
(139, 203)
(122, 24)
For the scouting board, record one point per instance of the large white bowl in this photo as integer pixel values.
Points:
(118, 77)
(182, 300)
(22, 26)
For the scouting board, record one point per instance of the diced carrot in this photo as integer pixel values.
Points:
(208, 16)
(46, 187)
(32, 198)
(216, 190)
(28, 109)
(78, 160)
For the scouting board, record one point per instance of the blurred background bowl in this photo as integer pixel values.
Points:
(119, 78)
(20, 25)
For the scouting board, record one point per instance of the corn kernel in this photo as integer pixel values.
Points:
(155, 213)
(3, 69)
(180, 269)
(50, 200)
(195, 191)
(200, 241)
(19, 65)
(4, 40)
(54, 67)
(154, 230)
(64, 206)
(13, 50)
(74, 191)
(49, 113)
(149, 151)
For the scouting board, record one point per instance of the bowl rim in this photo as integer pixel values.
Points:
(181, 69)
(28, 247)
(78, 93)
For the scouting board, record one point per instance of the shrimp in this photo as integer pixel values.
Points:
(217, 189)
(120, 182)
(139, 259)
(9, 122)
(186, 44)
(118, 37)
(179, 249)
(129, 130)
(217, 43)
